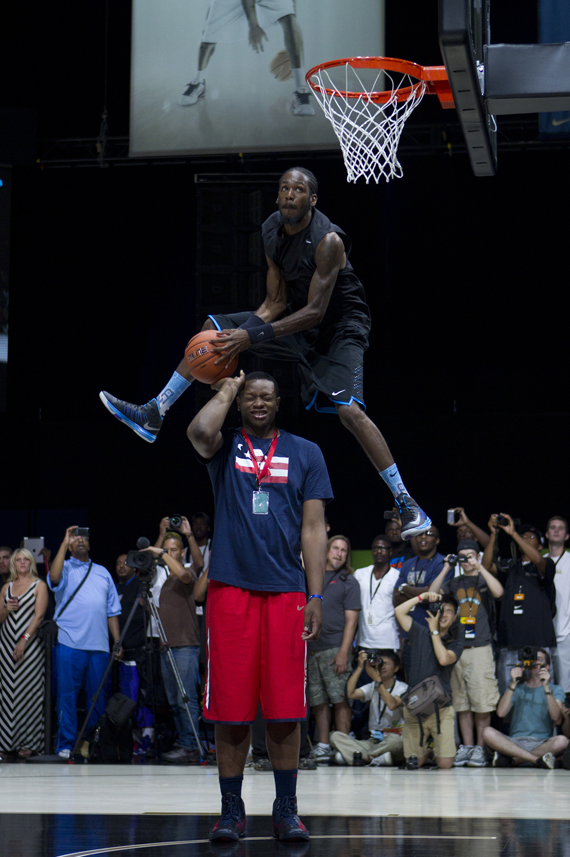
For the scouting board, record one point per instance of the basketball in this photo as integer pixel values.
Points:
(281, 66)
(200, 358)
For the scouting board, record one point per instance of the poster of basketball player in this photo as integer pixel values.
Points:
(213, 76)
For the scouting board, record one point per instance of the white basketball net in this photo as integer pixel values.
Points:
(368, 133)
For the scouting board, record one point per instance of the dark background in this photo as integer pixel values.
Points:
(466, 374)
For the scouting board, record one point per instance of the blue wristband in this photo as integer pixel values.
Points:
(315, 596)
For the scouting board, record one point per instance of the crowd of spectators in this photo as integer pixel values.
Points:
(484, 628)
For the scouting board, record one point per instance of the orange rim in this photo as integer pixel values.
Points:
(434, 76)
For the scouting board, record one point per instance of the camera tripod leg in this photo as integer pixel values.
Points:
(176, 673)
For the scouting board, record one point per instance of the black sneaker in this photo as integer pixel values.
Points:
(231, 825)
(411, 763)
(501, 761)
(414, 520)
(357, 760)
(287, 826)
(145, 420)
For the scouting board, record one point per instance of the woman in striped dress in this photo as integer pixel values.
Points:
(23, 603)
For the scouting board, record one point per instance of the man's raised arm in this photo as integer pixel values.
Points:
(205, 430)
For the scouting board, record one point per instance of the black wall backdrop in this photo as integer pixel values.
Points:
(466, 374)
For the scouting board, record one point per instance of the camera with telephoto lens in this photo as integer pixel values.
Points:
(374, 659)
(175, 522)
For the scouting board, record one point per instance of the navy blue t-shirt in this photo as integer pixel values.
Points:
(263, 551)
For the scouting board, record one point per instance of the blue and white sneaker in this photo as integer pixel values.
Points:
(414, 520)
(145, 420)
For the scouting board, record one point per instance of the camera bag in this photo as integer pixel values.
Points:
(425, 698)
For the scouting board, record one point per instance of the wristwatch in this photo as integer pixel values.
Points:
(434, 633)
(401, 588)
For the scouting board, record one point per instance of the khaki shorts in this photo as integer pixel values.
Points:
(443, 744)
(473, 682)
(324, 685)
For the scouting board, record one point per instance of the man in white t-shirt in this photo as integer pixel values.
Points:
(384, 693)
(377, 626)
(557, 536)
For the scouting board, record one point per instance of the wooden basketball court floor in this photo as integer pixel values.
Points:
(152, 810)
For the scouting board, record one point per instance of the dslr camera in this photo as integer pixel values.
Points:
(374, 659)
(174, 522)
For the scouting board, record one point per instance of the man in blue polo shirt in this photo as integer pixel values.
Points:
(84, 620)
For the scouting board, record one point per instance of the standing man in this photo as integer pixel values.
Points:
(330, 660)
(314, 313)
(377, 627)
(87, 609)
(473, 682)
(234, 21)
(557, 538)
(529, 600)
(416, 576)
(5, 554)
(270, 489)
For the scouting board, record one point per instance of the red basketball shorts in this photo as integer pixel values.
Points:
(254, 652)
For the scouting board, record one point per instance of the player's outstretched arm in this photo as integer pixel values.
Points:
(205, 430)
(314, 547)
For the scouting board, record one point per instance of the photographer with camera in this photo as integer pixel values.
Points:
(87, 609)
(473, 683)
(434, 651)
(529, 601)
(536, 706)
(386, 712)
(177, 611)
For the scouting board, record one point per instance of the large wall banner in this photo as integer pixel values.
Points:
(228, 75)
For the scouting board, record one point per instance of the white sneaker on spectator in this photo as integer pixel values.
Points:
(64, 754)
(322, 754)
(339, 758)
(463, 755)
(384, 759)
(478, 758)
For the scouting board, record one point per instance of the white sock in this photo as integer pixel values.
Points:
(199, 76)
(299, 77)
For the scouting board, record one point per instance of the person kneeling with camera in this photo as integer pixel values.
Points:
(433, 655)
(383, 693)
(536, 709)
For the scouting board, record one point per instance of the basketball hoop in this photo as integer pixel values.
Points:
(367, 121)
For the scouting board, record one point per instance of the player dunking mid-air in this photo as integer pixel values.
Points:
(230, 21)
(270, 489)
(314, 313)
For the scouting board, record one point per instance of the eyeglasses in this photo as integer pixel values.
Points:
(380, 548)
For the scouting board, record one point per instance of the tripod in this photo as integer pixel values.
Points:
(150, 609)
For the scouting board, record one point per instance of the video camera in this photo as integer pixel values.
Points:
(527, 658)
(454, 558)
(143, 562)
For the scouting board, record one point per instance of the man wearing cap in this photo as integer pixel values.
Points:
(473, 683)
